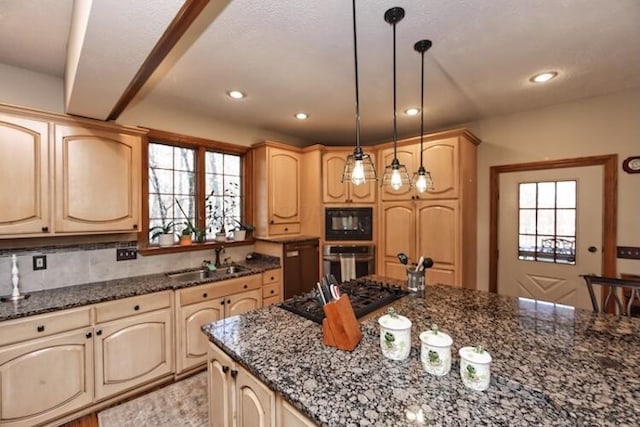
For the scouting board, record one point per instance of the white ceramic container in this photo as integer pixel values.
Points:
(166, 240)
(435, 352)
(395, 335)
(475, 367)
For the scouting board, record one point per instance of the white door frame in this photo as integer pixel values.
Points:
(609, 214)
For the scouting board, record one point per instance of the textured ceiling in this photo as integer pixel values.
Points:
(297, 55)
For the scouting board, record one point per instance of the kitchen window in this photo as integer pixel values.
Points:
(547, 222)
(203, 179)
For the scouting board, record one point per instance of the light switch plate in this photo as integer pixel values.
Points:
(123, 254)
(39, 262)
(628, 252)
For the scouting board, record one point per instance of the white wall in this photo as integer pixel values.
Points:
(30, 89)
(594, 126)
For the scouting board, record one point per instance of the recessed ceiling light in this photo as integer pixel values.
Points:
(301, 116)
(543, 77)
(235, 94)
(412, 111)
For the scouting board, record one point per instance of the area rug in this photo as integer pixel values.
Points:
(183, 403)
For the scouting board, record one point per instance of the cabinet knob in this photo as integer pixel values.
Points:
(204, 295)
(225, 369)
(40, 328)
(45, 229)
(99, 332)
(245, 286)
(222, 302)
(286, 229)
(272, 291)
(228, 301)
(271, 222)
(135, 226)
(234, 373)
(88, 335)
(272, 278)
(136, 307)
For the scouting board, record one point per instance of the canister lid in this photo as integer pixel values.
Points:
(475, 354)
(436, 338)
(394, 321)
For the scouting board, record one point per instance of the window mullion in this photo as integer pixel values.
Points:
(200, 187)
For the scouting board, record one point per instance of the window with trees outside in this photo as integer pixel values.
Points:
(192, 200)
(547, 222)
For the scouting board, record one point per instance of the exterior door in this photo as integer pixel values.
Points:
(537, 256)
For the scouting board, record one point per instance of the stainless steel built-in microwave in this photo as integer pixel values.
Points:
(348, 223)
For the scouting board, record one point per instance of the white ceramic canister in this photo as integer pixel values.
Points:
(475, 367)
(395, 335)
(435, 351)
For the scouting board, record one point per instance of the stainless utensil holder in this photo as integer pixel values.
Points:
(415, 280)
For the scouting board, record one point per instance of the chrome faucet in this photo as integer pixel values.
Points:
(205, 263)
(218, 250)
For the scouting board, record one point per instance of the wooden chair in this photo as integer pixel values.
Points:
(628, 284)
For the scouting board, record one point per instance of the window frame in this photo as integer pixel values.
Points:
(201, 146)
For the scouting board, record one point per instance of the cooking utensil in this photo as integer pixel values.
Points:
(404, 259)
(419, 263)
(324, 301)
(427, 263)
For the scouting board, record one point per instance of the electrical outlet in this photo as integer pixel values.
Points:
(629, 252)
(39, 262)
(126, 253)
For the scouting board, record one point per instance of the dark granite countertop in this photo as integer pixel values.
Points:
(552, 365)
(92, 293)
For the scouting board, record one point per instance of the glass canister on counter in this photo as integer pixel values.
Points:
(435, 351)
(395, 335)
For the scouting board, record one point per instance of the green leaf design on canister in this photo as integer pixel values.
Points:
(434, 357)
(389, 339)
(471, 372)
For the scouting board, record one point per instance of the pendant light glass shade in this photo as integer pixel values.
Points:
(422, 179)
(395, 175)
(358, 168)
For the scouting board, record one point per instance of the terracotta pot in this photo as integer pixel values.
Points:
(185, 240)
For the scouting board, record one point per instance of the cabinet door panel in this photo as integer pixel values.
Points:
(243, 302)
(43, 378)
(398, 235)
(437, 231)
(333, 189)
(221, 392)
(97, 178)
(192, 342)
(441, 159)
(284, 176)
(441, 276)
(132, 351)
(255, 402)
(24, 151)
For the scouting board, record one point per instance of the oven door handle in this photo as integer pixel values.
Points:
(356, 258)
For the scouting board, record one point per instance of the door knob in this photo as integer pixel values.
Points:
(592, 249)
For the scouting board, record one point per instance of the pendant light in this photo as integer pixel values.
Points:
(395, 175)
(422, 179)
(358, 168)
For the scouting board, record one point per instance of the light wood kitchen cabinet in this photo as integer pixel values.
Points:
(277, 189)
(440, 224)
(136, 347)
(207, 303)
(235, 396)
(97, 180)
(408, 155)
(288, 416)
(272, 287)
(24, 188)
(336, 191)
(46, 367)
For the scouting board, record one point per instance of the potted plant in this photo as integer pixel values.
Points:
(186, 236)
(242, 230)
(190, 230)
(164, 233)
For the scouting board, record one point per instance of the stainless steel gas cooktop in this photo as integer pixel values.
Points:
(365, 295)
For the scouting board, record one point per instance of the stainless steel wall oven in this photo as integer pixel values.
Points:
(364, 259)
(348, 223)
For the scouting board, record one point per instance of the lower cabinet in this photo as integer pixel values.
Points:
(44, 378)
(207, 303)
(237, 398)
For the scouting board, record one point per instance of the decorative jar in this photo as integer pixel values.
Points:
(395, 335)
(435, 351)
(475, 367)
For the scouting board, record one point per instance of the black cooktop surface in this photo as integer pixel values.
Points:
(365, 296)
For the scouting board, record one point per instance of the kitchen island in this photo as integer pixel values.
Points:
(552, 365)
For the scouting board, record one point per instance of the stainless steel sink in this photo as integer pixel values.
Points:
(205, 273)
(200, 274)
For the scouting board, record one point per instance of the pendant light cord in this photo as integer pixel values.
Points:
(421, 108)
(355, 57)
(395, 127)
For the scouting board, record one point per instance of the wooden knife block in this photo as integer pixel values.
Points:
(340, 328)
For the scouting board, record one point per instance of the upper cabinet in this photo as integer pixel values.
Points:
(97, 180)
(277, 189)
(24, 189)
(67, 176)
(336, 191)
(408, 155)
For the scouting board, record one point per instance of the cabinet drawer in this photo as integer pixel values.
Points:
(219, 289)
(130, 306)
(271, 290)
(290, 228)
(271, 276)
(44, 325)
(271, 300)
